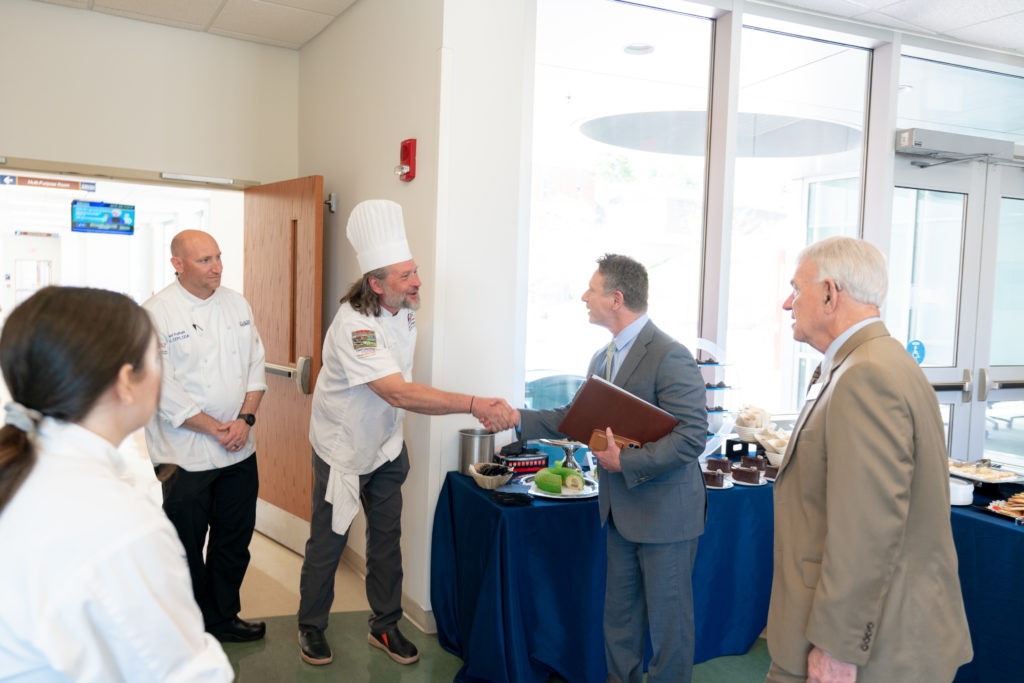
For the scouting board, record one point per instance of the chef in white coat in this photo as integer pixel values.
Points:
(94, 579)
(213, 383)
(359, 454)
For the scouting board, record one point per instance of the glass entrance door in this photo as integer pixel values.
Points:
(956, 276)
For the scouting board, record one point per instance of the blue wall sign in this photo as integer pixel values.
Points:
(916, 349)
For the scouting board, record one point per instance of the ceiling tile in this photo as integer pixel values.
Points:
(332, 7)
(269, 22)
(941, 16)
(1005, 33)
(194, 14)
(839, 8)
(879, 19)
(81, 4)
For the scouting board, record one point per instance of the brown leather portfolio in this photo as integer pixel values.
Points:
(600, 404)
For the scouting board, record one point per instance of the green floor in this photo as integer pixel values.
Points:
(276, 658)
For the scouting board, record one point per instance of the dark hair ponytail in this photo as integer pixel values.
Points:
(60, 351)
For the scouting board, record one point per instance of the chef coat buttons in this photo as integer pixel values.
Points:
(871, 625)
(864, 647)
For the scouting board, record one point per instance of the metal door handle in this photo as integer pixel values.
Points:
(300, 372)
(964, 387)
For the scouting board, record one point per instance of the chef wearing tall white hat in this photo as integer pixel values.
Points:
(359, 454)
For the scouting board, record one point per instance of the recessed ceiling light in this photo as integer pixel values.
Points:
(638, 49)
(905, 88)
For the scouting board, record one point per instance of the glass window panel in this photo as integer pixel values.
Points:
(801, 110)
(618, 166)
(959, 99)
(1008, 305)
(924, 271)
(1004, 432)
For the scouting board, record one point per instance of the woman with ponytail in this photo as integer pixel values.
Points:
(95, 583)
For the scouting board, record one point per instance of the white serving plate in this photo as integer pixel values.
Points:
(1014, 479)
(589, 491)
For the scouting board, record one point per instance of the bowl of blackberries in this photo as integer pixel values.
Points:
(489, 475)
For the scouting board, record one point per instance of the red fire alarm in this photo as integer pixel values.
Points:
(406, 169)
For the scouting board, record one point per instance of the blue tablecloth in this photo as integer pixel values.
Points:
(991, 555)
(518, 592)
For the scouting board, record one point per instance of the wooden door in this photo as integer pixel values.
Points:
(283, 284)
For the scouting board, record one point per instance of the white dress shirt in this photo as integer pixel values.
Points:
(95, 583)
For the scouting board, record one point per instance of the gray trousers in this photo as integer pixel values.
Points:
(649, 584)
(381, 495)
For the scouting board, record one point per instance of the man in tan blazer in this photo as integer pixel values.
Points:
(865, 585)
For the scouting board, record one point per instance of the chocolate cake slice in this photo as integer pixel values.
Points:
(720, 465)
(747, 475)
(756, 461)
(714, 478)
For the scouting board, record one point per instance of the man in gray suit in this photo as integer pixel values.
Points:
(865, 585)
(652, 498)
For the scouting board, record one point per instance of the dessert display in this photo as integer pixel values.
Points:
(490, 475)
(1012, 506)
(770, 472)
(759, 462)
(723, 465)
(559, 480)
(492, 469)
(749, 420)
(752, 416)
(774, 441)
(714, 478)
(746, 475)
(981, 471)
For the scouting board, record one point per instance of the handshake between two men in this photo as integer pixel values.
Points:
(495, 414)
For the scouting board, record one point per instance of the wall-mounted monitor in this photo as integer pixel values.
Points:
(118, 219)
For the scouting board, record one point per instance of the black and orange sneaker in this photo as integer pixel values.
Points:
(395, 644)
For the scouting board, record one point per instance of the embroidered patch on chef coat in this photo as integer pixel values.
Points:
(412, 320)
(244, 323)
(364, 343)
(177, 336)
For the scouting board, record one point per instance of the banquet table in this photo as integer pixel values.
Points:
(518, 592)
(990, 551)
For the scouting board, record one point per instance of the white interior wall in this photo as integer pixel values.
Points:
(384, 72)
(91, 88)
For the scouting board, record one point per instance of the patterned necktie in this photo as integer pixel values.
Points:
(815, 375)
(609, 353)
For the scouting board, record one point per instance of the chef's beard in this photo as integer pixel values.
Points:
(394, 299)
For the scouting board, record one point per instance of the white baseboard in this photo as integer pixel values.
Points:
(292, 532)
(282, 526)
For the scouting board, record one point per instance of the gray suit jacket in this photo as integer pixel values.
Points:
(865, 566)
(659, 497)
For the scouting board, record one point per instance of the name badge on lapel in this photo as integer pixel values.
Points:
(813, 391)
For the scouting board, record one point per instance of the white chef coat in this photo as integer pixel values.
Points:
(212, 356)
(351, 428)
(95, 582)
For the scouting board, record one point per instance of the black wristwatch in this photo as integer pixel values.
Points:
(249, 418)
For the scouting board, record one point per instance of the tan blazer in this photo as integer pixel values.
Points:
(865, 566)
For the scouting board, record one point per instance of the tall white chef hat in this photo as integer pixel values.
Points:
(377, 231)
